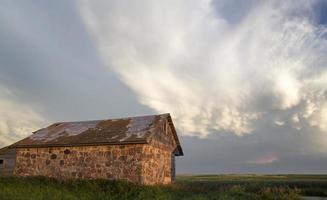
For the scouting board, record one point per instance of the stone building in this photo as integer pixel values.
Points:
(137, 149)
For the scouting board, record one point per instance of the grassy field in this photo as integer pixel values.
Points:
(186, 187)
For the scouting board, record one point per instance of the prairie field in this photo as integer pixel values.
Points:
(192, 187)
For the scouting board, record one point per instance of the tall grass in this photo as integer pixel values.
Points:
(40, 188)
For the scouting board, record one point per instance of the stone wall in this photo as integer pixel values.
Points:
(139, 163)
(122, 162)
(158, 167)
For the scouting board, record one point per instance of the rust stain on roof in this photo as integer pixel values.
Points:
(110, 131)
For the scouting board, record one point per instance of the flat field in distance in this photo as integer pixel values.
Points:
(270, 185)
(202, 187)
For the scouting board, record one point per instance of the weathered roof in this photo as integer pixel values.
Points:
(132, 130)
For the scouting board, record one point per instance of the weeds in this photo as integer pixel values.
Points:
(220, 188)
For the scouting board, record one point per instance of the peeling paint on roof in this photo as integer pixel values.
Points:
(139, 127)
(67, 129)
(114, 137)
(115, 131)
(132, 130)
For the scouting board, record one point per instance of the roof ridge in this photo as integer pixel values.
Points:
(116, 118)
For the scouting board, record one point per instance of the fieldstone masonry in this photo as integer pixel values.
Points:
(150, 162)
(135, 163)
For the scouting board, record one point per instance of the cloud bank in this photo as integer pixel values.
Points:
(224, 69)
(216, 71)
(16, 120)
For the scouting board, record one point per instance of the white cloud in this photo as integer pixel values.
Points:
(279, 123)
(265, 158)
(287, 90)
(322, 117)
(295, 118)
(183, 58)
(16, 120)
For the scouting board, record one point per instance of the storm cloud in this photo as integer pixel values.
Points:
(244, 82)
(213, 72)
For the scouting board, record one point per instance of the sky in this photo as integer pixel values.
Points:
(245, 81)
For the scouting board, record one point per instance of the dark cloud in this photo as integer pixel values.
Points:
(50, 70)
(320, 12)
(234, 11)
(49, 63)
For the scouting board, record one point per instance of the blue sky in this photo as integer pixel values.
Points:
(245, 81)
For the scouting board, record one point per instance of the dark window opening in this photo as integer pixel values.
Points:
(1, 162)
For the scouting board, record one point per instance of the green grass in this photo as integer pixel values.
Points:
(304, 185)
(186, 187)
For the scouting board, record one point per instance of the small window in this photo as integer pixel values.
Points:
(1, 162)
